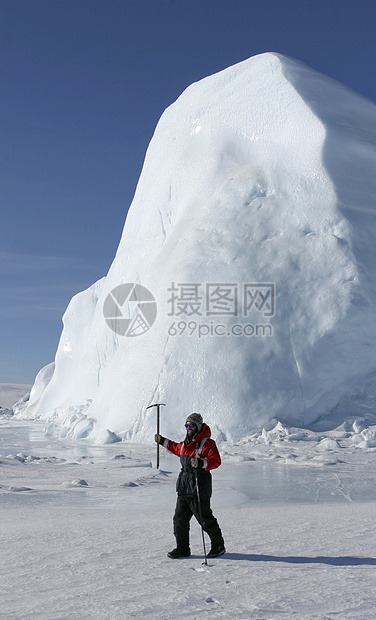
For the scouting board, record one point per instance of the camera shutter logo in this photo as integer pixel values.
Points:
(130, 309)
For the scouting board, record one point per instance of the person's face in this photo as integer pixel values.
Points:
(191, 429)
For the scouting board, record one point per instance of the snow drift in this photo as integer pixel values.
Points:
(253, 227)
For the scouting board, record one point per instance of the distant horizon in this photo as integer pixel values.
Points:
(10, 393)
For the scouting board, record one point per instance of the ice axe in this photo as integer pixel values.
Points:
(157, 405)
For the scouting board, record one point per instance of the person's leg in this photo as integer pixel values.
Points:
(182, 517)
(209, 522)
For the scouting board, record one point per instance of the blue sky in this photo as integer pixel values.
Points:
(83, 84)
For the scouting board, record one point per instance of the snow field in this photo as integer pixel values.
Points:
(291, 561)
(85, 530)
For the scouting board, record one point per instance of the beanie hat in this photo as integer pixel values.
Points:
(196, 418)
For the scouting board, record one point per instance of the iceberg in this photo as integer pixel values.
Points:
(243, 286)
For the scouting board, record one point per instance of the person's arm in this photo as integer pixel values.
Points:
(159, 439)
(171, 446)
(209, 459)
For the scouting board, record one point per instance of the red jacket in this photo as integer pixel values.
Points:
(209, 453)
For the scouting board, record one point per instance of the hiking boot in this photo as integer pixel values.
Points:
(179, 553)
(216, 551)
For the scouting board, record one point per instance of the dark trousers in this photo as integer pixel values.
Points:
(186, 507)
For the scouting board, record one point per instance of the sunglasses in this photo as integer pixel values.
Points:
(190, 425)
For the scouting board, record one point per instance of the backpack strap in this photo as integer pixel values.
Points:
(198, 453)
(199, 450)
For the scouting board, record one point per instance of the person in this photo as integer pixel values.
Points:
(198, 455)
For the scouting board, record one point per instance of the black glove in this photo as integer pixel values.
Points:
(196, 463)
(159, 438)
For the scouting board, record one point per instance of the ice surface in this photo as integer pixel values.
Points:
(261, 175)
(284, 464)
(86, 529)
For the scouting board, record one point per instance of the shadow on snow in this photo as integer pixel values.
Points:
(320, 559)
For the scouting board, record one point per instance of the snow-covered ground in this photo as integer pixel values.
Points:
(85, 529)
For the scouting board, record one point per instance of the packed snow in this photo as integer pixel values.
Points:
(253, 228)
(85, 529)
